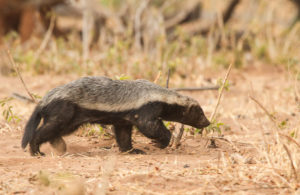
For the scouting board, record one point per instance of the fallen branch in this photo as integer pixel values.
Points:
(196, 88)
(12, 62)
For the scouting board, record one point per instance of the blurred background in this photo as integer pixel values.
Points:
(139, 39)
(256, 129)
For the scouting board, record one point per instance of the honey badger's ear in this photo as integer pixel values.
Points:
(188, 110)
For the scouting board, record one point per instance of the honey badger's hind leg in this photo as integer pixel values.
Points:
(155, 129)
(123, 136)
(45, 133)
(58, 117)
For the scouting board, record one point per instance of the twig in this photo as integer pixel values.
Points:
(273, 119)
(290, 139)
(291, 160)
(12, 62)
(263, 108)
(157, 77)
(297, 94)
(46, 38)
(178, 137)
(196, 88)
(21, 97)
(221, 92)
(218, 101)
(168, 78)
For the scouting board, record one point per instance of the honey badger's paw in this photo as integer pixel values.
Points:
(36, 153)
(160, 145)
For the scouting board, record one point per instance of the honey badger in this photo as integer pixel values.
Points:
(121, 103)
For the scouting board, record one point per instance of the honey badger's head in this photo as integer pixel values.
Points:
(185, 110)
(193, 115)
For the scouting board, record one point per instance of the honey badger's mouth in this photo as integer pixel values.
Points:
(203, 124)
(200, 124)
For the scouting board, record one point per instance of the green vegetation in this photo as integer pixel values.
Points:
(8, 113)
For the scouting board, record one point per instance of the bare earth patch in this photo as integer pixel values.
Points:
(250, 158)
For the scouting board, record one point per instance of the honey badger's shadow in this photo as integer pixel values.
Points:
(91, 147)
(81, 146)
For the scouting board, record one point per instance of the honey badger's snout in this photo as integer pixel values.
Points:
(195, 117)
(203, 123)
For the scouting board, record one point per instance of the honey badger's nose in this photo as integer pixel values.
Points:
(204, 123)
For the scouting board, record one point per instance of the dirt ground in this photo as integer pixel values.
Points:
(247, 159)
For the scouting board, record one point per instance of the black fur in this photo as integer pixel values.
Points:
(62, 117)
(31, 126)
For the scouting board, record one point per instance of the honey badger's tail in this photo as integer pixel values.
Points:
(31, 126)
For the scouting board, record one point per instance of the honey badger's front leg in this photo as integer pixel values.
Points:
(155, 129)
(123, 136)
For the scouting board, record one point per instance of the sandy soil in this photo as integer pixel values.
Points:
(95, 166)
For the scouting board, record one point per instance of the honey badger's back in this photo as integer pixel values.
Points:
(105, 94)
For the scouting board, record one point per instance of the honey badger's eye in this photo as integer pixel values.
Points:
(197, 110)
(194, 109)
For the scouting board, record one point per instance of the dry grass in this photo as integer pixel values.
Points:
(249, 159)
(258, 153)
